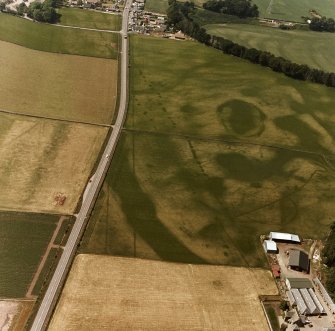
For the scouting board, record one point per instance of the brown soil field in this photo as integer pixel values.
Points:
(40, 159)
(111, 293)
(56, 85)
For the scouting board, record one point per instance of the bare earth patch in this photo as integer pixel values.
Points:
(8, 309)
(112, 293)
(42, 159)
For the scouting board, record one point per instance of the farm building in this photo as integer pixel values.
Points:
(270, 246)
(298, 260)
(284, 237)
(298, 283)
(306, 301)
(325, 295)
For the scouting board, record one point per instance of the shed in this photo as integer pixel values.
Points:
(284, 237)
(317, 301)
(270, 246)
(313, 309)
(301, 305)
(298, 283)
(298, 260)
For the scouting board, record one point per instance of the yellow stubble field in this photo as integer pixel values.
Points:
(113, 293)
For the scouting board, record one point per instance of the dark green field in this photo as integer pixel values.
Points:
(50, 38)
(89, 19)
(217, 151)
(24, 238)
(47, 271)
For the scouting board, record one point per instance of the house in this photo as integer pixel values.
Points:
(284, 237)
(298, 260)
(270, 246)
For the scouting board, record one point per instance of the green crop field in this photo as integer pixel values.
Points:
(24, 238)
(89, 19)
(51, 38)
(216, 152)
(293, 10)
(157, 6)
(55, 85)
(303, 47)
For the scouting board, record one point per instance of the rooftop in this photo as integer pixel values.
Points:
(298, 259)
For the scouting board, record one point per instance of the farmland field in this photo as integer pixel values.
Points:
(292, 10)
(157, 6)
(89, 19)
(60, 86)
(216, 152)
(133, 294)
(303, 47)
(24, 238)
(39, 161)
(51, 38)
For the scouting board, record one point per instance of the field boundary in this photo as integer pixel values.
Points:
(54, 118)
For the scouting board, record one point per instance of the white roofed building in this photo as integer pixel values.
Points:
(270, 246)
(282, 236)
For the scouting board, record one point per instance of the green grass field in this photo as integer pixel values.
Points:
(303, 47)
(157, 6)
(292, 10)
(24, 238)
(56, 85)
(217, 151)
(89, 19)
(50, 38)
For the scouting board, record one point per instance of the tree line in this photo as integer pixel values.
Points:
(41, 12)
(240, 8)
(180, 18)
(322, 24)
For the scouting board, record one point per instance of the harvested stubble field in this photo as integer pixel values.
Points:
(51, 38)
(217, 152)
(289, 44)
(130, 294)
(59, 86)
(89, 19)
(24, 239)
(42, 158)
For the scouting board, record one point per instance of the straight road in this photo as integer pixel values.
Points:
(51, 296)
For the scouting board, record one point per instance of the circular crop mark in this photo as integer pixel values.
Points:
(241, 118)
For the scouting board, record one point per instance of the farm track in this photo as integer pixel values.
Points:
(54, 118)
(82, 28)
(229, 141)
